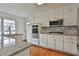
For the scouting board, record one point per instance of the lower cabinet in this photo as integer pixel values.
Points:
(34, 41)
(51, 43)
(55, 42)
(74, 47)
(70, 46)
(59, 44)
(43, 42)
(67, 46)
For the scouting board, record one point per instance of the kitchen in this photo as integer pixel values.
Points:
(57, 29)
(47, 30)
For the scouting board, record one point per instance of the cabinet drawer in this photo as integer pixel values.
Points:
(43, 36)
(74, 38)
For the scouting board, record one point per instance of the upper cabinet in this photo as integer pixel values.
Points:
(44, 21)
(70, 15)
(56, 14)
(41, 19)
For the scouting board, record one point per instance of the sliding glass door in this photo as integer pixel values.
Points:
(7, 28)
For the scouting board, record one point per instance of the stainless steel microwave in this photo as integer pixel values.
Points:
(58, 22)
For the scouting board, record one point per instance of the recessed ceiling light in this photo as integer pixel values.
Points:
(27, 23)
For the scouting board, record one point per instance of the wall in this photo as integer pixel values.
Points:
(19, 21)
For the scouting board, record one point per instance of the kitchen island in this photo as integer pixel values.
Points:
(14, 47)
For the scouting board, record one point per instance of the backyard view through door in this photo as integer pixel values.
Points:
(7, 28)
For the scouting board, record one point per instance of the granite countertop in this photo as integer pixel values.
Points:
(13, 34)
(59, 34)
(10, 50)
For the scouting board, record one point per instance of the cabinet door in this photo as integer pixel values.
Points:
(32, 20)
(56, 14)
(59, 13)
(67, 46)
(35, 41)
(51, 43)
(74, 47)
(45, 20)
(70, 16)
(52, 15)
(70, 46)
(59, 44)
(43, 42)
(29, 33)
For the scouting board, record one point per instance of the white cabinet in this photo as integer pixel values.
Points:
(67, 46)
(33, 19)
(70, 44)
(45, 20)
(59, 44)
(35, 41)
(70, 15)
(51, 42)
(41, 19)
(74, 47)
(29, 33)
(59, 13)
(43, 40)
(52, 15)
(56, 14)
(55, 42)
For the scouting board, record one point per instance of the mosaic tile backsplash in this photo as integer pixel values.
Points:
(65, 30)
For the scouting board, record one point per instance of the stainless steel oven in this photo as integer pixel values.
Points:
(35, 31)
(34, 28)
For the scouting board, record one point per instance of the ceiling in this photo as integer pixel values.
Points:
(28, 9)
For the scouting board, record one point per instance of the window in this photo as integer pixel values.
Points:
(9, 26)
